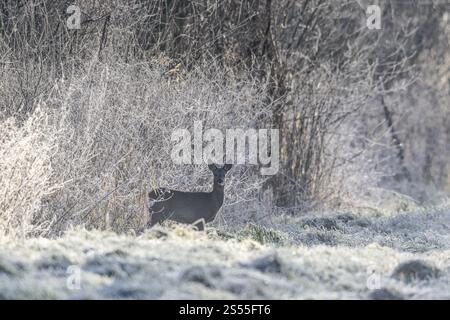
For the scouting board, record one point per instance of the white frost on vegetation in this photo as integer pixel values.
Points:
(333, 256)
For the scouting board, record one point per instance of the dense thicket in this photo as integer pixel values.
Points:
(356, 107)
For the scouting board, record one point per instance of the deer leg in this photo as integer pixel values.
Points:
(156, 218)
(200, 224)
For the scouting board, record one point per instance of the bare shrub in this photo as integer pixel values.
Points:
(26, 174)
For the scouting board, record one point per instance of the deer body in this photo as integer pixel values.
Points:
(195, 208)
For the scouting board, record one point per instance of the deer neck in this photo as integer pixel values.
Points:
(217, 195)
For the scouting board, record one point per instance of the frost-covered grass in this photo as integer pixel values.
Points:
(316, 256)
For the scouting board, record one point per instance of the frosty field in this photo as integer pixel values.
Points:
(337, 256)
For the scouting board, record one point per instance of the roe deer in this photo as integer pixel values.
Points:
(196, 208)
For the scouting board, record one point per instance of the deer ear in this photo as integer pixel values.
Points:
(227, 166)
(212, 166)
